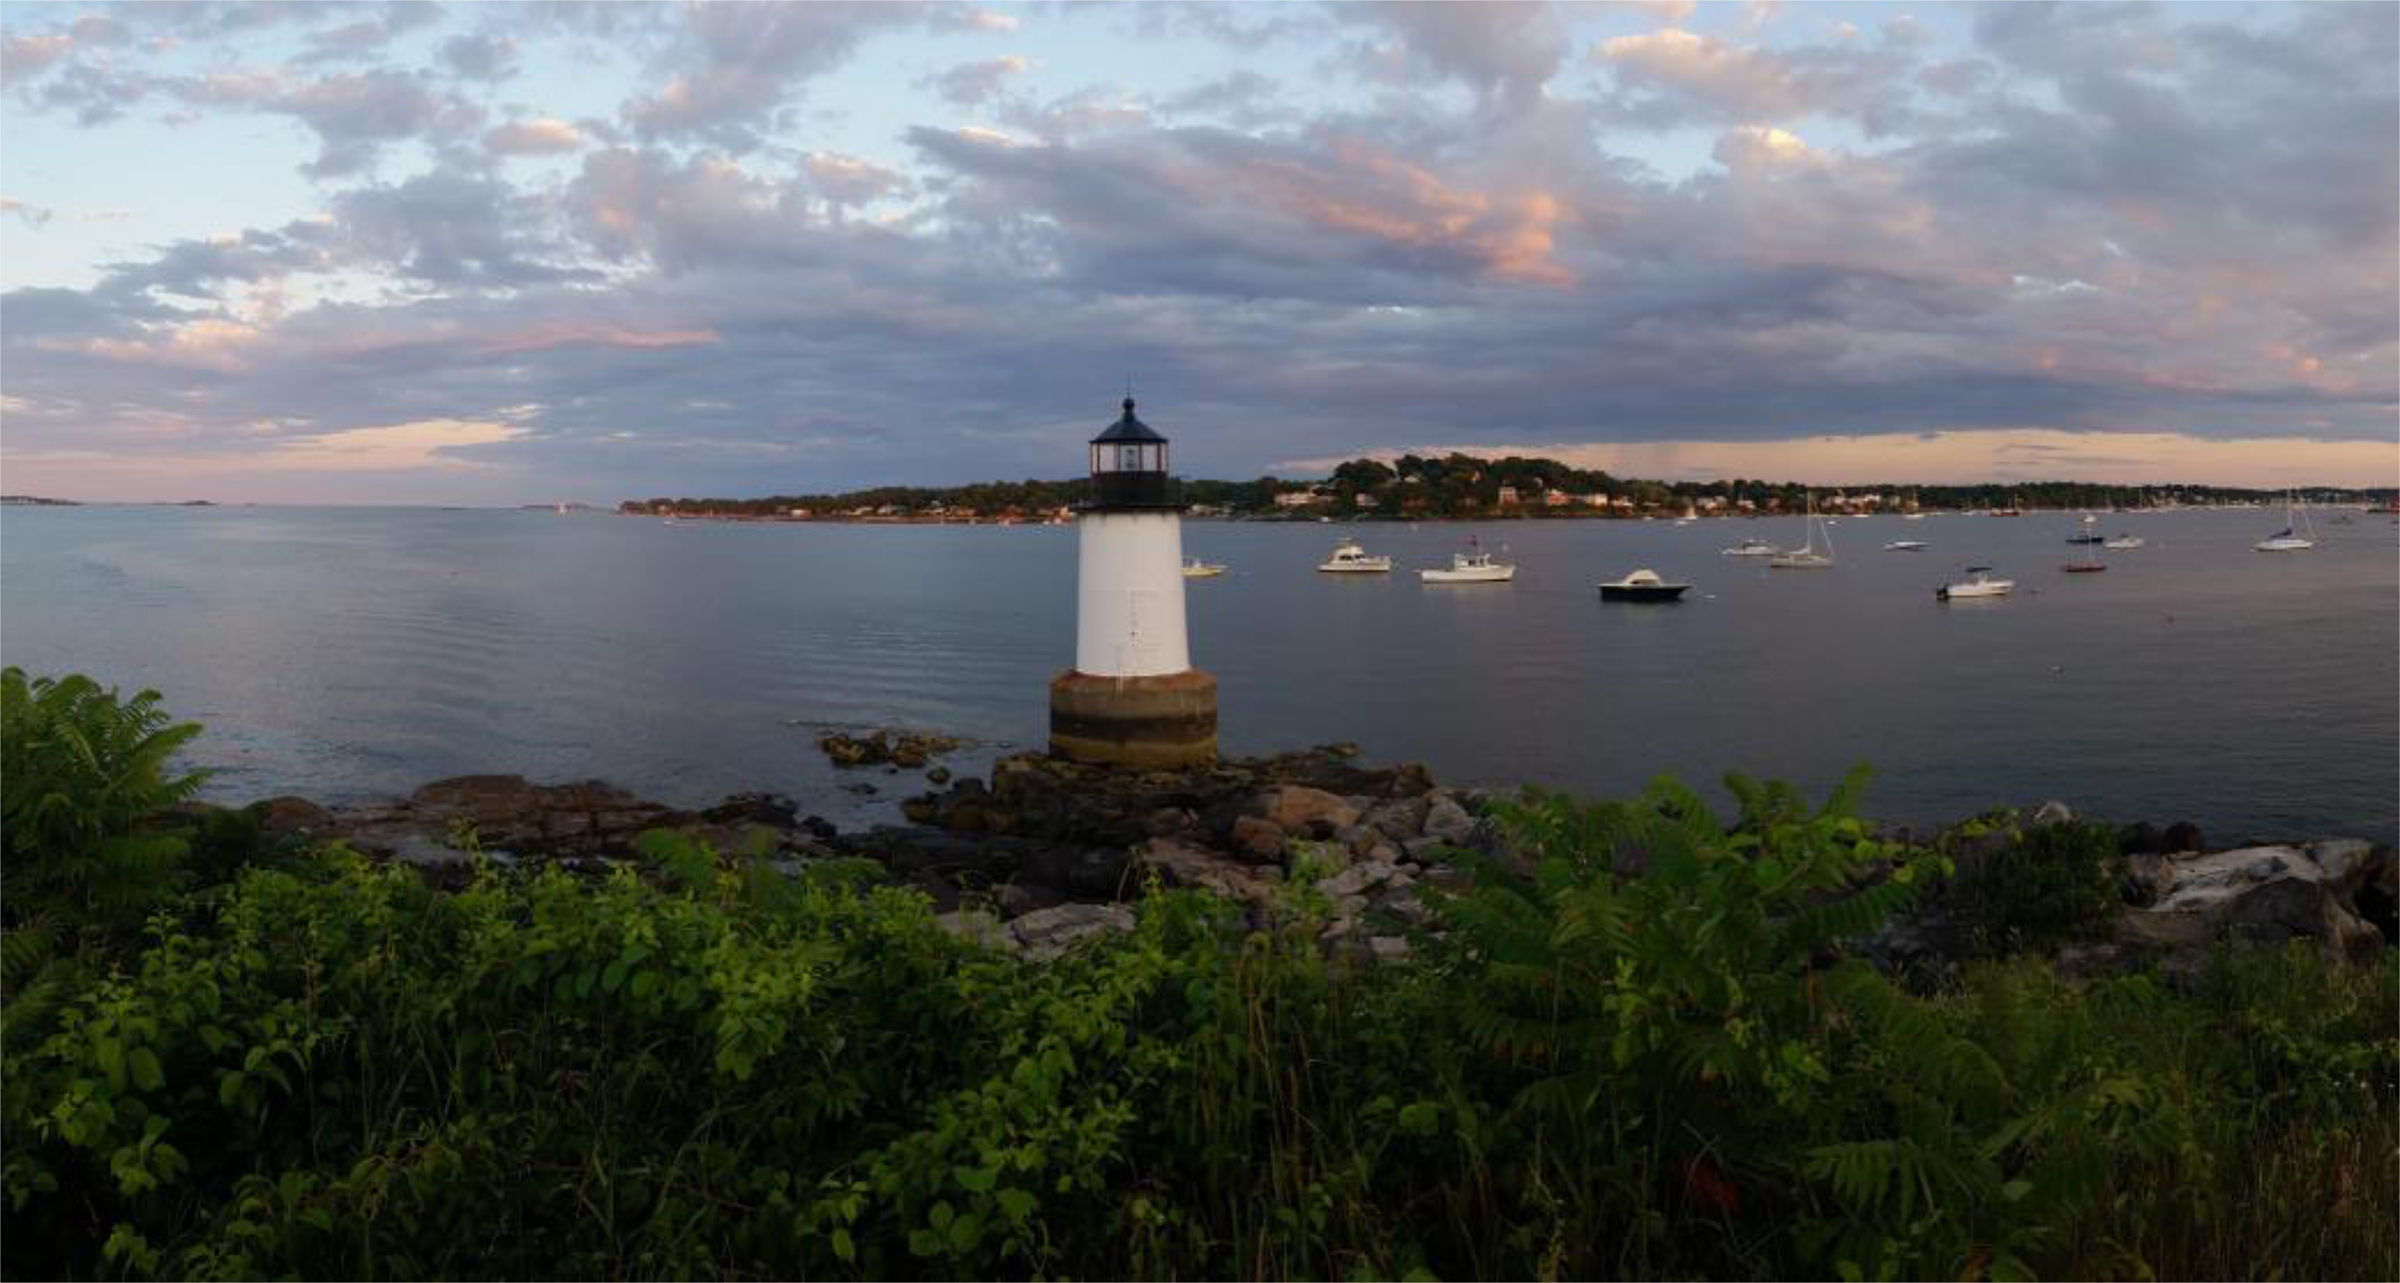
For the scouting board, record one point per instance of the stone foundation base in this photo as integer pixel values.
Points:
(1148, 722)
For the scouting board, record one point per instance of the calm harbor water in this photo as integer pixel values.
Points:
(343, 653)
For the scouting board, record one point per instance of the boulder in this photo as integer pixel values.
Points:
(1260, 839)
(977, 927)
(2053, 812)
(1448, 821)
(2141, 839)
(1297, 808)
(1399, 819)
(1180, 864)
(771, 809)
(2261, 895)
(1357, 879)
(1046, 933)
(281, 815)
(1358, 839)
(2182, 835)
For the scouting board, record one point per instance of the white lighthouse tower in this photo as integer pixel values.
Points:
(1133, 697)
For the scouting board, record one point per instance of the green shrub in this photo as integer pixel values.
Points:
(2037, 887)
(1638, 1048)
(84, 776)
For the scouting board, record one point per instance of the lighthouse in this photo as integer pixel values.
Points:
(1133, 697)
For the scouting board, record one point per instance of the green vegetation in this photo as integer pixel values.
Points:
(2032, 888)
(1457, 485)
(1641, 1050)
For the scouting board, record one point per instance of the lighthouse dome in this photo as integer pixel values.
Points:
(1129, 467)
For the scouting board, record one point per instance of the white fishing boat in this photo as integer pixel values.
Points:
(1474, 566)
(1752, 548)
(1350, 559)
(2288, 539)
(1978, 584)
(1806, 556)
(1906, 545)
(2124, 543)
(1194, 568)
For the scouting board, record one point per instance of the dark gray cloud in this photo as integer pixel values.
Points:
(479, 56)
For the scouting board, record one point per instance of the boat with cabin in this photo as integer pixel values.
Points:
(1752, 548)
(1474, 566)
(1979, 583)
(1350, 559)
(1194, 568)
(1642, 585)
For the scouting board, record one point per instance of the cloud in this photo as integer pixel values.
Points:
(1674, 77)
(452, 231)
(971, 84)
(479, 57)
(29, 215)
(23, 57)
(355, 116)
(734, 63)
(847, 180)
(537, 137)
(2099, 225)
(1503, 51)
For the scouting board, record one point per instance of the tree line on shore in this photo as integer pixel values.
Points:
(228, 1057)
(1415, 487)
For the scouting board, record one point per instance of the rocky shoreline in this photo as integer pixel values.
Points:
(1046, 851)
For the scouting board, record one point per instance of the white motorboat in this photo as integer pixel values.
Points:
(1806, 556)
(1642, 585)
(1906, 545)
(2295, 519)
(2124, 542)
(1194, 568)
(1752, 548)
(1350, 559)
(1979, 584)
(1474, 566)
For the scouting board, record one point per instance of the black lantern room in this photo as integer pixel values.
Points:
(1129, 467)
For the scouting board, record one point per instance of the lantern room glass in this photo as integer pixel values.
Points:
(1129, 456)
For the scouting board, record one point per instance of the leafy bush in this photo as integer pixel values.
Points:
(1638, 1048)
(2036, 887)
(86, 775)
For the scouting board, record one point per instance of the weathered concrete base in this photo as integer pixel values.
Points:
(1154, 723)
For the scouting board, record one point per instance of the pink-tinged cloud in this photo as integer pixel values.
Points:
(567, 334)
(1376, 195)
(543, 137)
(28, 55)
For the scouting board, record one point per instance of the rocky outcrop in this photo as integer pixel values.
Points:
(510, 818)
(1046, 853)
(2262, 895)
(905, 749)
(1042, 934)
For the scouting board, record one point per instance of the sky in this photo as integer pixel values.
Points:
(484, 253)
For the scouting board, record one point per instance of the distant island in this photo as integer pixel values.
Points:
(35, 500)
(1464, 487)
